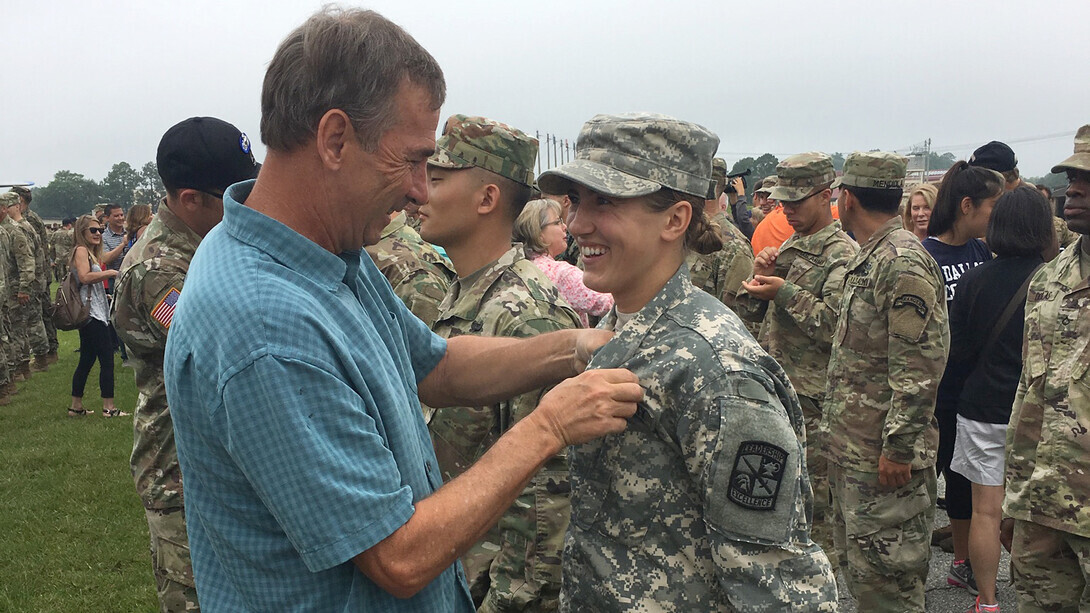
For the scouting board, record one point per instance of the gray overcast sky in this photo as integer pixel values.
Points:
(94, 83)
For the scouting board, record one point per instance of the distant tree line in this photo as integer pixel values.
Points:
(71, 194)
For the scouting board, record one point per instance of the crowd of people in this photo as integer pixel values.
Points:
(405, 373)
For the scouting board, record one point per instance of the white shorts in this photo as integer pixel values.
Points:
(980, 451)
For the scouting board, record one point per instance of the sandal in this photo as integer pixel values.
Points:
(77, 412)
(115, 413)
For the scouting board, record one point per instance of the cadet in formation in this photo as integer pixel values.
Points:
(62, 249)
(21, 287)
(8, 275)
(480, 179)
(197, 160)
(416, 271)
(794, 295)
(703, 502)
(878, 427)
(44, 354)
(1048, 443)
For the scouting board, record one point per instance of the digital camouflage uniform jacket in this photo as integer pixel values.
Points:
(1048, 441)
(889, 353)
(721, 273)
(797, 325)
(21, 271)
(149, 284)
(510, 297)
(703, 503)
(416, 271)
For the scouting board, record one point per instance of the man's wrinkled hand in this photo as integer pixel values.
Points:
(762, 287)
(587, 343)
(893, 474)
(593, 404)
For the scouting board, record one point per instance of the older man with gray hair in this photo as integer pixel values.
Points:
(311, 483)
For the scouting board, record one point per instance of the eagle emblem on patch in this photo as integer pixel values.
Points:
(758, 471)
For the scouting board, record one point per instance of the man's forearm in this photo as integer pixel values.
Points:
(483, 370)
(447, 523)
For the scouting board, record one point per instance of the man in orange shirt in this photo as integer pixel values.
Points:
(774, 229)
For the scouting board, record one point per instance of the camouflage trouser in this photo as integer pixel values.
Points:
(170, 560)
(5, 346)
(1051, 569)
(516, 567)
(47, 320)
(883, 537)
(39, 342)
(19, 348)
(821, 532)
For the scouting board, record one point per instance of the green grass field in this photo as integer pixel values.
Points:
(72, 531)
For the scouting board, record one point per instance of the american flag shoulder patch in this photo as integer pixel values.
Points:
(164, 311)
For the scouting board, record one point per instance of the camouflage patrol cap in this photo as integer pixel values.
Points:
(9, 199)
(478, 142)
(800, 176)
(1081, 159)
(767, 184)
(636, 154)
(719, 169)
(874, 170)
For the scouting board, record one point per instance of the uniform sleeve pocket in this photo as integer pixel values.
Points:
(755, 473)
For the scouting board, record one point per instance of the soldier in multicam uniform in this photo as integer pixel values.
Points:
(721, 272)
(795, 297)
(22, 285)
(197, 159)
(7, 384)
(480, 179)
(416, 271)
(878, 428)
(45, 257)
(63, 242)
(1048, 441)
(703, 502)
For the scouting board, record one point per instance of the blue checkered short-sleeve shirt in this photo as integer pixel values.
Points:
(291, 375)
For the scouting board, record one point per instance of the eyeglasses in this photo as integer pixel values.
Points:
(95, 230)
(558, 222)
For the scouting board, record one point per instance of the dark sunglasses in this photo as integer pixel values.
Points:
(95, 230)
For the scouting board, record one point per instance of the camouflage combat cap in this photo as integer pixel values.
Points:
(476, 141)
(874, 169)
(1081, 159)
(9, 198)
(767, 184)
(636, 154)
(799, 176)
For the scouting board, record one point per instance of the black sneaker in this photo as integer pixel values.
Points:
(961, 575)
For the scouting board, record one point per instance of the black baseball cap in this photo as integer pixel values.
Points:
(995, 155)
(206, 154)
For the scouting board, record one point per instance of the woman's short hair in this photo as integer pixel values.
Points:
(962, 181)
(1021, 223)
(348, 59)
(531, 221)
(927, 191)
(138, 217)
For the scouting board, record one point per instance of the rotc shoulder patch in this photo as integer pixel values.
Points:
(164, 311)
(758, 471)
(910, 310)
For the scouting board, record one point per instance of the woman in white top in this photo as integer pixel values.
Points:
(543, 233)
(95, 338)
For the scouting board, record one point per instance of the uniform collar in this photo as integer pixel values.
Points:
(397, 223)
(627, 340)
(815, 243)
(281, 243)
(880, 234)
(1068, 274)
(467, 295)
(173, 224)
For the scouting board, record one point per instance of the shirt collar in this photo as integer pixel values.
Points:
(467, 295)
(286, 246)
(815, 243)
(627, 340)
(175, 225)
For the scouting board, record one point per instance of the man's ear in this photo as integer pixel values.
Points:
(191, 199)
(489, 195)
(677, 221)
(334, 131)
